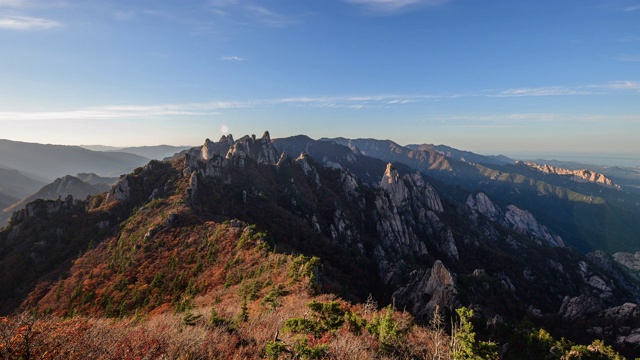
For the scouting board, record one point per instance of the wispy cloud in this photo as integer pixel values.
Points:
(621, 85)
(353, 102)
(632, 8)
(232, 58)
(24, 4)
(13, 3)
(119, 112)
(589, 89)
(250, 11)
(204, 108)
(27, 23)
(393, 6)
(543, 91)
(268, 17)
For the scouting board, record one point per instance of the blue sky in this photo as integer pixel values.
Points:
(487, 76)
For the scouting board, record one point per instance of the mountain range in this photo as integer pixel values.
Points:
(424, 228)
(79, 187)
(157, 152)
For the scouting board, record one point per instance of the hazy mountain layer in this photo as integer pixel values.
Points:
(17, 185)
(6, 200)
(158, 152)
(53, 161)
(61, 188)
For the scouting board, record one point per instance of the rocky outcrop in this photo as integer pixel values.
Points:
(582, 175)
(209, 149)
(41, 208)
(192, 190)
(610, 266)
(61, 187)
(622, 322)
(630, 261)
(303, 161)
(521, 221)
(427, 289)
(215, 166)
(121, 191)
(261, 150)
(405, 209)
(579, 307)
(407, 223)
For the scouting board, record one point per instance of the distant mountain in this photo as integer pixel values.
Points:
(579, 175)
(53, 161)
(422, 159)
(587, 215)
(627, 177)
(7, 200)
(462, 155)
(158, 152)
(100, 147)
(16, 184)
(94, 179)
(60, 188)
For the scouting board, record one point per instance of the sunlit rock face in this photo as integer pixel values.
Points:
(261, 150)
(582, 175)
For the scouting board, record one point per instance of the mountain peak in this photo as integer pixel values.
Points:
(262, 151)
(391, 175)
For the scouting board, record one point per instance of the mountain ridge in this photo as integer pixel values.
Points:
(362, 225)
(60, 189)
(53, 161)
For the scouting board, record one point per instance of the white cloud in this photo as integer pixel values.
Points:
(13, 3)
(232, 58)
(23, 4)
(543, 91)
(633, 8)
(117, 111)
(590, 89)
(249, 10)
(268, 17)
(621, 85)
(392, 6)
(354, 102)
(27, 23)
(205, 108)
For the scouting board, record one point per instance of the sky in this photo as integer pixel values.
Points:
(487, 76)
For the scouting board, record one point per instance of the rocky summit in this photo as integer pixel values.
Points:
(357, 227)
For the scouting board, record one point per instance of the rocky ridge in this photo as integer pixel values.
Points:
(58, 189)
(582, 175)
(396, 236)
(514, 218)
